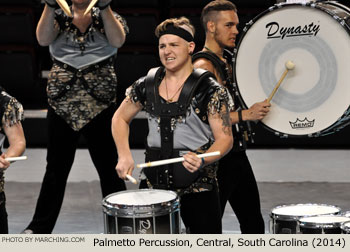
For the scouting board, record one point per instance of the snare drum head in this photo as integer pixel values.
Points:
(316, 93)
(301, 210)
(144, 197)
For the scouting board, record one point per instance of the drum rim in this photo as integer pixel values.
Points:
(246, 28)
(287, 217)
(158, 209)
(346, 213)
(345, 226)
(317, 225)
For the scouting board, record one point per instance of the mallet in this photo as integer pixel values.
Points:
(289, 66)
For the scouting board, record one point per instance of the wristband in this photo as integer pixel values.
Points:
(53, 6)
(202, 164)
(240, 120)
(104, 6)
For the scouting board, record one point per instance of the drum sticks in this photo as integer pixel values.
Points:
(92, 4)
(175, 160)
(11, 159)
(289, 66)
(131, 179)
(64, 6)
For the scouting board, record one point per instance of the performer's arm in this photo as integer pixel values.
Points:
(256, 112)
(120, 131)
(114, 29)
(17, 143)
(222, 131)
(46, 30)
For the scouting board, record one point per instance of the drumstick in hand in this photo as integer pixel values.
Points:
(92, 4)
(131, 179)
(175, 160)
(65, 7)
(289, 66)
(11, 159)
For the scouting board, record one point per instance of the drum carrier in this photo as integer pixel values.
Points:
(172, 176)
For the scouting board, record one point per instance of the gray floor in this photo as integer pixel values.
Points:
(284, 177)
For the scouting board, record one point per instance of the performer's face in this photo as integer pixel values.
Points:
(225, 31)
(174, 52)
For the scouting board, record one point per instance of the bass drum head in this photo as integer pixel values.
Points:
(316, 93)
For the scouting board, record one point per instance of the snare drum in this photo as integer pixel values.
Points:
(314, 98)
(284, 219)
(326, 224)
(346, 214)
(142, 212)
(345, 228)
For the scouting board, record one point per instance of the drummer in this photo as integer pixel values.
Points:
(11, 114)
(235, 175)
(187, 111)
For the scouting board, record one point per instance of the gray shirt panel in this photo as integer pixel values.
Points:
(67, 51)
(190, 134)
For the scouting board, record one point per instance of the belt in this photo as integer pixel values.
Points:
(87, 69)
(79, 73)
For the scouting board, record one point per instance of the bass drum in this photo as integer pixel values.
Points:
(313, 100)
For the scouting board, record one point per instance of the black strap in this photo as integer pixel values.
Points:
(178, 108)
(191, 85)
(151, 85)
(212, 57)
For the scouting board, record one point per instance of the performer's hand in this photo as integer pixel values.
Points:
(4, 164)
(192, 163)
(257, 111)
(125, 166)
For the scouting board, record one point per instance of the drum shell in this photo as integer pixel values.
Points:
(160, 218)
(310, 225)
(288, 224)
(345, 227)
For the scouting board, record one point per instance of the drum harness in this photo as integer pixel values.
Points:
(173, 176)
(242, 132)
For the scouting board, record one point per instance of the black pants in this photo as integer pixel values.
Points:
(62, 144)
(200, 212)
(237, 185)
(3, 215)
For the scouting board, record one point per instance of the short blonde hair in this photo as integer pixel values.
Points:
(181, 22)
